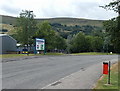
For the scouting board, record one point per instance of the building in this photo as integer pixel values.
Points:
(7, 44)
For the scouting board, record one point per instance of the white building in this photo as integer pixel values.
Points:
(7, 44)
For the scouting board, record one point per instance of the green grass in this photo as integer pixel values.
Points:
(102, 83)
(92, 53)
(54, 54)
(21, 55)
(13, 55)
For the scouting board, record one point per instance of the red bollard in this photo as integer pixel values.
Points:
(105, 68)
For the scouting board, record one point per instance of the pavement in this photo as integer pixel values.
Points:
(83, 79)
(44, 71)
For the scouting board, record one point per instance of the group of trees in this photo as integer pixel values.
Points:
(112, 26)
(77, 41)
(28, 29)
(53, 40)
(65, 30)
(85, 43)
(106, 41)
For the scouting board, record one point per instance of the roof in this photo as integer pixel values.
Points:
(2, 35)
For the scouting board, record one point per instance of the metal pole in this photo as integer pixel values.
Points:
(35, 46)
(44, 47)
(109, 73)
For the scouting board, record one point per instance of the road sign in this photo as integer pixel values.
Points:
(40, 44)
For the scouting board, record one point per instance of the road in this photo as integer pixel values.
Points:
(38, 72)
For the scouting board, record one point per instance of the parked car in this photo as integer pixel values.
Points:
(24, 51)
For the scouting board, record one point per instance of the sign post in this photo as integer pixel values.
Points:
(40, 45)
(106, 70)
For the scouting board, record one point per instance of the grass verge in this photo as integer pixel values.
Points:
(54, 54)
(102, 83)
(93, 53)
(22, 55)
(13, 55)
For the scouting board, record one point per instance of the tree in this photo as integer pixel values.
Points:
(26, 26)
(97, 44)
(78, 43)
(89, 43)
(85, 43)
(113, 26)
(69, 44)
(60, 42)
(44, 30)
(114, 5)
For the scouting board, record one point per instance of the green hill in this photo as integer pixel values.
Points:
(64, 21)
(8, 20)
(64, 26)
(74, 21)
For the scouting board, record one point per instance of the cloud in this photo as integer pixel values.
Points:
(10, 9)
(92, 10)
(58, 8)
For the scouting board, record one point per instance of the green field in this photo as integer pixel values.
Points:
(102, 83)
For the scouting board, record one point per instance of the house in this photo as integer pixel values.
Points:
(7, 44)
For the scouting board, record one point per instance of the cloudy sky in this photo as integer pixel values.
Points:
(58, 8)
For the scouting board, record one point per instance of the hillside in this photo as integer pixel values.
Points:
(74, 21)
(8, 20)
(64, 26)
(64, 21)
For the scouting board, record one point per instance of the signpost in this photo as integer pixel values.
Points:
(40, 45)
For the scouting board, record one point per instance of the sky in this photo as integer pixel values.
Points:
(88, 9)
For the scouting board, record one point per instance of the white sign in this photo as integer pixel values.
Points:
(40, 44)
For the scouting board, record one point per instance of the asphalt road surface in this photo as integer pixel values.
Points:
(38, 72)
